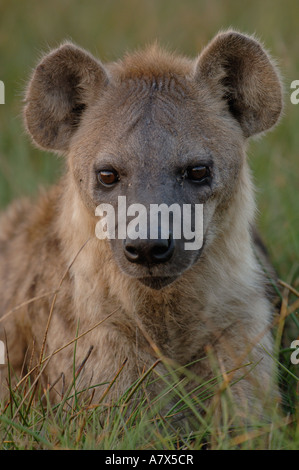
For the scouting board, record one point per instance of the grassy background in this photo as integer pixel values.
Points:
(108, 28)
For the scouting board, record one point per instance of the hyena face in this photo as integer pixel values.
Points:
(156, 129)
(148, 152)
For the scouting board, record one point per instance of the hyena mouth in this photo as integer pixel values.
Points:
(157, 283)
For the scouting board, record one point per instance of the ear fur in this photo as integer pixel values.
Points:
(237, 68)
(65, 82)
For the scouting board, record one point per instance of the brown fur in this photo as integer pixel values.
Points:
(148, 113)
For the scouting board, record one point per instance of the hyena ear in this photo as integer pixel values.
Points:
(238, 70)
(63, 85)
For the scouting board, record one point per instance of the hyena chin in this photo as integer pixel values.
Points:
(156, 128)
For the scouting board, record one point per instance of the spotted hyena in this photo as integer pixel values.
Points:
(156, 128)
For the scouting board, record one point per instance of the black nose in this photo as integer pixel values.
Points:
(149, 251)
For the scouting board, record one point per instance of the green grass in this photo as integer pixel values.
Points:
(136, 422)
(108, 28)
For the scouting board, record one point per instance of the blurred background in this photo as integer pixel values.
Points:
(108, 28)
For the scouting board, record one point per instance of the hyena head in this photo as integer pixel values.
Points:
(156, 129)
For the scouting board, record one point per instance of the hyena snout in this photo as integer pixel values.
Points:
(148, 251)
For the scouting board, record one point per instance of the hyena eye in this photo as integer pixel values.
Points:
(107, 177)
(198, 174)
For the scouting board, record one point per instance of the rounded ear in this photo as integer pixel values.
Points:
(239, 71)
(63, 85)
